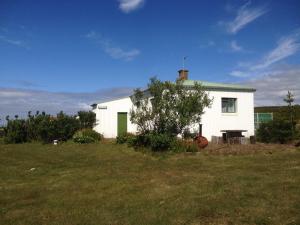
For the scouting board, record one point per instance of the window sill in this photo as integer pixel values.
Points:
(229, 114)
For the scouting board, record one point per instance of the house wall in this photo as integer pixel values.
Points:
(107, 119)
(213, 119)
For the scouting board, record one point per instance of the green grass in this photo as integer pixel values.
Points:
(113, 184)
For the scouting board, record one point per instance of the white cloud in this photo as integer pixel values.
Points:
(128, 6)
(118, 53)
(17, 43)
(286, 47)
(13, 94)
(244, 16)
(273, 86)
(111, 49)
(235, 47)
(17, 101)
(237, 73)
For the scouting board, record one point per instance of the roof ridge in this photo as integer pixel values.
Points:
(218, 85)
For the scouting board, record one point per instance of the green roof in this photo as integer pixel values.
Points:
(219, 86)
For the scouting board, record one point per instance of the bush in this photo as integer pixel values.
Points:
(65, 126)
(160, 142)
(41, 127)
(277, 131)
(2, 133)
(15, 131)
(86, 119)
(180, 145)
(125, 138)
(141, 140)
(49, 128)
(86, 136)
(157, 142)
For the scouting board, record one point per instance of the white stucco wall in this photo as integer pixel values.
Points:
(107, 119)
(213, 119)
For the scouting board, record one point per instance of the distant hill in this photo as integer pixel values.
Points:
(279, 112)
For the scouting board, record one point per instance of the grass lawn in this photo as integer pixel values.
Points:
(113, 184)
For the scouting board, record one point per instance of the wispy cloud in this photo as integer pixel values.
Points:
(244, 16)
(208, 44)
(238, 73)
(128, 6)
(235, 47)
(286, 47)
(118, 53)
(17, 43)
(111, 49)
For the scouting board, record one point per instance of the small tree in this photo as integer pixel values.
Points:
(289, 99)
(168, 108)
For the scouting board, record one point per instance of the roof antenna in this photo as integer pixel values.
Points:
(183, 62)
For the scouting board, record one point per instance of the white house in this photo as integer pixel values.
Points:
(232, 111)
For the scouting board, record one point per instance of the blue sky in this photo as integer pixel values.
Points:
(111, 46)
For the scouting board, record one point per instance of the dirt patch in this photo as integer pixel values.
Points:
(237, 149)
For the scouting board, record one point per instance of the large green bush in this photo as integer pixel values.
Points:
(15, 131)
(86, 136)
(41, 127)
(276, 131)
(49, 128)
(86, 119)
(65, 126)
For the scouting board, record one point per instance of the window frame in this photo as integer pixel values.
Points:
(227, 107)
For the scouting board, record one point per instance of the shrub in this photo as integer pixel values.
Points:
(2, 133)
(86, 119)
(65, 126)
(86, 136)
(15, 131)
(91, 133)
(46, 130)
(180, 145)
(276, 131)
(62, 127)
(41, 127)
(160, 142)
(141, 140)
(125, 138)
(33, 125)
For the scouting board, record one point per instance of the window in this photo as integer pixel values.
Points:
(229, 105)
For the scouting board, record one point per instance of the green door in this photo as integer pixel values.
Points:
(122, 123)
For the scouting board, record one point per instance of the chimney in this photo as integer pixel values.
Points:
(183, 74)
